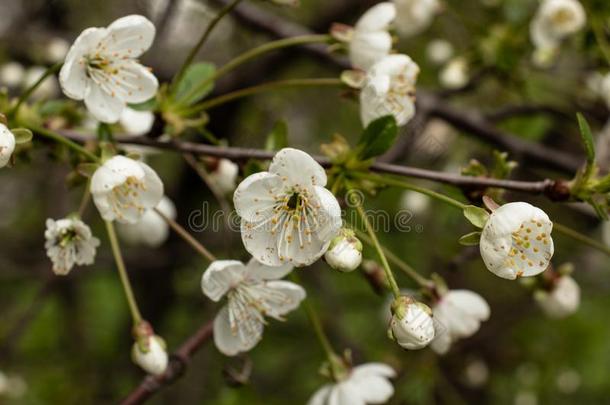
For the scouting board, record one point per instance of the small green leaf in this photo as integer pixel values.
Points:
(148, 105)
(476, 215)
(194, 84)
(470, 239)
(377, 137)
(278, 138)
(22, 135)
(587, 138)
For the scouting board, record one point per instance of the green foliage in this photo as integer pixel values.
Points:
(587, 139)
(476, 215)
(278, 138)
(377, 138)
(470, 239)
(195, 84)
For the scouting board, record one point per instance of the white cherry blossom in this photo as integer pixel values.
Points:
(253, 291)
(516, 241)
(411, 325)
(11, 74)
(123, 189)
(150, 353)
(563, 298)
(69, 242)
(389, 90)
(370, 40)
(455, 74)
(414, 16)
(101, 67)
(458, 314)
(554, 21)
(151, 230)
(136, 123)
(47, 89)
(365, 384)
(439, 51)
(7, 145)
(287, 216)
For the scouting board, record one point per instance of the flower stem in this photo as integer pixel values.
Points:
(255, 52)
(85, 200)
(28, 92)
(380, 252)
(204, 37)
(409, 186)
(118, 258)
(574, 234)
(600, 37)
(64, 141)
(408, 270)
(183, 233)
(317, 324)
(262, 88)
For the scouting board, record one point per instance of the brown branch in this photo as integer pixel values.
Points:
(551, 188)
(468, 121)
(176, 367)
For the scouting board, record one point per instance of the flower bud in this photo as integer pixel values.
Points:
(7, 145)
(150, 353)
(345, 252)
(411, 325)
(224, 176)
(562, 300)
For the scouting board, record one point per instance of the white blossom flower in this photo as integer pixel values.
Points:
(69, 242)
(47, 89)
(254, 291)
(365, 384)
(150, 353)
(151, 230)
(136, 123)
(414, 16)
(562, 300)
(411, 325)
(287, 216)
(370, 41)
(224, 176)
(455, 74)
(123, 189)
(344, 252)
(554, 21)
(12, 386)
(414, 203)
(7, 145)
(389, 90)
(516, 241)
(102, 69)
(11, 74)
(458, 314)
(439, 51)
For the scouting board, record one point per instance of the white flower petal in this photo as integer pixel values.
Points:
(284, 298)
(377, 18)
(136, 123)
(153, 187)
(320, 397)
(221, 276)
(373, 389)
(73, 75)
(260, 272)
(260, 243)
(345, 394)
(103, 106)
(231, 342)
(129, 36)
(254, 198)
(368, 48)
(7, 145)
(296, 167)
(374, 369)
(133, 83)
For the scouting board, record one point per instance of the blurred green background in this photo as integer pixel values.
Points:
(68, 339)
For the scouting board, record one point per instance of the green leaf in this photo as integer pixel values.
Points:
(87, 169)
(192, 88)
(22, 135)
(278, 138)
(476, 215)
(470, 239)
(587, 138)
(148, 105)
(377, 137)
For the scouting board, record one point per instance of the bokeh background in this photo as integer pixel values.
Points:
(67, 340)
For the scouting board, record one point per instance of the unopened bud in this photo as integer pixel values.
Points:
(411, 325)
(345, 252)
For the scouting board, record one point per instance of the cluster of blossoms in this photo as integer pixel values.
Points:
(288, 217)
(554, 21)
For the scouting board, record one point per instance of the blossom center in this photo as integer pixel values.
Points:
(529, 246)
(127, 196)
